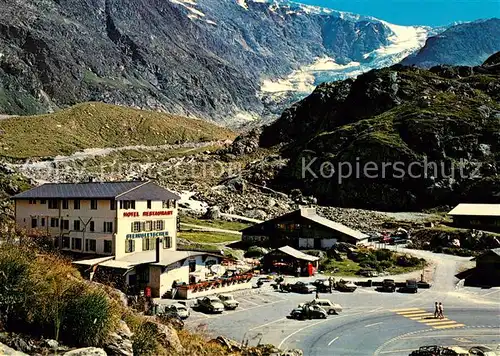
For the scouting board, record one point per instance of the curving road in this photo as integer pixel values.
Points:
(372, 323)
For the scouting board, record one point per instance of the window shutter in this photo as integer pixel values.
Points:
(143, 226)
(133, 245)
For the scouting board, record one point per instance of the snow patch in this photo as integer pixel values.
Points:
(242, 3)
(194, 14)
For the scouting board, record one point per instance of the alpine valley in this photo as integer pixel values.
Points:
(229, 61)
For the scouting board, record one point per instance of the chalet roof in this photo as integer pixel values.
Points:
(336, 226)
(132, 190)
(297, 254)
(310, 214)
(476, 210)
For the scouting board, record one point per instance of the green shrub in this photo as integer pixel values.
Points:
(385, 265)
(255, 252)
(408, 261)
(384, 255)
(144, 340)
(89, 316)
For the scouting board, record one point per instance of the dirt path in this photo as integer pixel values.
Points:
(212, 229)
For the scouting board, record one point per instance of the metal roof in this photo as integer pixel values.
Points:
(476, 210)
(335, 226)
(297, 254)
(133, 190)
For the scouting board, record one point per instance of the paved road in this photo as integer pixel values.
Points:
(213, 229)
(372, 323)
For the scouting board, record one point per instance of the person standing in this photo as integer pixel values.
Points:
(298, 271)
(317, 294)
(436, 310)
(330, 284)
(441, 311)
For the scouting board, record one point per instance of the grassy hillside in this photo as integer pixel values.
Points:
(96, 125)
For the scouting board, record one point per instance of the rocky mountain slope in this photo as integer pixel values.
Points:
(464, 44)
(398, 138)
(205, 58)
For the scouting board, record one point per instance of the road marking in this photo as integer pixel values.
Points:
(403, 310)
(249, 301)
(449, 326)
(450, 335)
(367, 326)
(439, 322)
(331, 342)
(396, 351)
(266, 324)
(314, 324)
(374, 310)
(429, 320)
(420, 315)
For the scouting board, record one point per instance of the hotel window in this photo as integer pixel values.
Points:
(93, 204)
(108, 246)
(34, 223)
(65, 204)
(90, 245)
(65, 224)
(108, 226)
(129, 245)
(53, 204)
(149, 204)
(158, 225)
(54, 222)
(76, 225)
(76, 204)
(92, 226)
(32, 201)
(166, 204)
(136, 226)
(148, 244)
(127, 204)
(148, 225)
(167, 242)
(112, 205)
(76, 243)
(65, 242)
(42, 222)
(43, 201)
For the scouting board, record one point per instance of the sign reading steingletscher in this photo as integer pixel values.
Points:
(143, 235)
(128, 214)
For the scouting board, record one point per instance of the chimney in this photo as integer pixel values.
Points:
(158, 249)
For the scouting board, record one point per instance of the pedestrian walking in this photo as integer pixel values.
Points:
(441, 310)
(317, 294)
(330, 284)
(298, 271)
(436, 310)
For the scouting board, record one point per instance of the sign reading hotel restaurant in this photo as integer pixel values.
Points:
(143, 235)
(128, 214)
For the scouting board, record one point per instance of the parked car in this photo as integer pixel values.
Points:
(329, 306)
(301, 287)
(211, 304)
(346, 286)
(177, 309)
(388, 285)
(397, 240)
(483, 351)
(315, 312)
(439, 350)
(322, 285)
(228, 300)
(411, 286)
(368, 273)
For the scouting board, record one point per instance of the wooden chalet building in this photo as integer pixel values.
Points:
(302, 228)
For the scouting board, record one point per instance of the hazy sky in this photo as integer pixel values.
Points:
(416, 12)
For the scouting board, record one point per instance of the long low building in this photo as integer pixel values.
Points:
(302, 228)
(477, 216)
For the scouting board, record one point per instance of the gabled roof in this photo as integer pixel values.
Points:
(476, 210)
(133, 190)
(297, 254)
(310, 214)
(336, 226)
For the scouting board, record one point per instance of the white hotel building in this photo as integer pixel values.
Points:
(132, 225)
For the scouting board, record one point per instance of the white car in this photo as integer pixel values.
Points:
(228, 300)
(328, 305)
(179, 309)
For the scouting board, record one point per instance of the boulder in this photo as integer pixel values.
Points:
(50, 343)
(213, 213)
(120, 342)
(168, 337)
(7, 351)
(86, 351)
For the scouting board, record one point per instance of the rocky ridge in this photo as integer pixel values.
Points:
(445, 116)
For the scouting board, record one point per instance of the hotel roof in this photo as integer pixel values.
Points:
(133, 190)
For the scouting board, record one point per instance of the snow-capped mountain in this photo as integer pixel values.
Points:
(225, 60)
